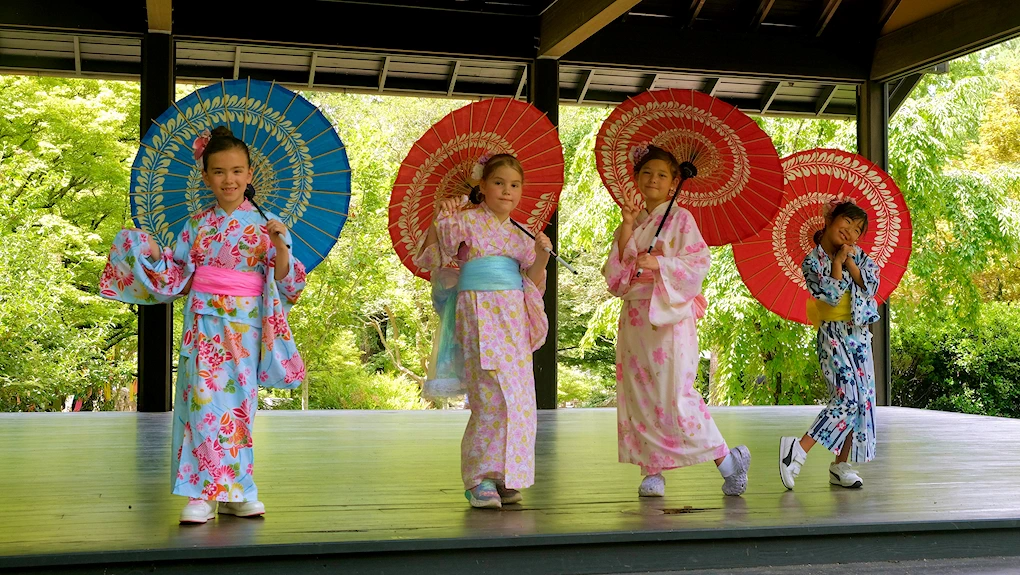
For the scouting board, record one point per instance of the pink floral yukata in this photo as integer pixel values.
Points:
(662, 421)
(497, 331)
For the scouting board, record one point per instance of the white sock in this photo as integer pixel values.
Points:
(728, 466)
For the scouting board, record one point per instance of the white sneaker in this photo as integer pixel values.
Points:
(243, 508)
(791, 457)
(843, 475)
(736, 484)
(198, 511)
(652, 486)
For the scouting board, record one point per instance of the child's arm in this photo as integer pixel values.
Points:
(827, 289)
(865, 271)
(536, 272)
(681, 269)
(429, 255)
(629, 213)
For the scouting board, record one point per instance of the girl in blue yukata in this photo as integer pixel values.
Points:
(843, 281)
(234, 266)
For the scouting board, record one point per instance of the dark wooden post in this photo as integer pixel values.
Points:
(544, 93)
(873, 143)
(155, 322)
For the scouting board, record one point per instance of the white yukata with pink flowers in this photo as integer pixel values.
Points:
(497, 331)
(662, 421)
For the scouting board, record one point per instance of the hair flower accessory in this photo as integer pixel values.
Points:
(200, 143)
(830, 206)
(479, 168)
(638, 152)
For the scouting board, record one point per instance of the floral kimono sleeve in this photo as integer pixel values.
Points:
(291, 286)
(538, 321)
(682, 270)
(864, 307)
(820, 284)
(618, 270)
(131, 275)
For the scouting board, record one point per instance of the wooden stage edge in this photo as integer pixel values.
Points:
(378, 492)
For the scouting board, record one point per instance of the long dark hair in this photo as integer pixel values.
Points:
(847, 209)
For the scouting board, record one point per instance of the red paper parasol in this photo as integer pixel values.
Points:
(769, 263)
(739, 181)
(440, 163)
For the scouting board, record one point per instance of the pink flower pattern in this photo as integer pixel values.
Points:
(663, 422)
(215, 405)
(497, 331)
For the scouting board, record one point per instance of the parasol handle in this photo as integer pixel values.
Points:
(552, 253)
(249, 194)
(687, 171)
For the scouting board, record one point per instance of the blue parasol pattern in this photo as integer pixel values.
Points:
(302, 173)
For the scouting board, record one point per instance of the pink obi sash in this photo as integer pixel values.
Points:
(227, 282)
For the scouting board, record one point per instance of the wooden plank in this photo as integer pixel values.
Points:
(824, 98)
(159, 14)
(522, 77)
(383, 72)
(827, 13)
(904, 86)
(721, 53)
(585, 83)
(762, 13)
(453, 78)
(316, 472)
(952, 33)
(568, 23)
(768, 95)
(696, 6)
(888, 8)
(311, 69)
(650, 81)
(237, 61)
(711, 85)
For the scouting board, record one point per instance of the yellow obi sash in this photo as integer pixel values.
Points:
(818, 311)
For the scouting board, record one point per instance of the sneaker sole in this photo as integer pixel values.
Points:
(197, 521)
(513, 499)
(783, 452)
(483, 503)
(224, 511)
(856, 485)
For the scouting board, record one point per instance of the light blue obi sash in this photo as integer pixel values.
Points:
(492, 273)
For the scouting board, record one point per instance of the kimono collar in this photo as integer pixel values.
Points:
(244, 206)
(644, 214)
(491, 214)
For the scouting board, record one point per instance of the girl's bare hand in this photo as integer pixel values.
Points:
(648, 262)
(629, 211)
(448, 206)
(542, 243)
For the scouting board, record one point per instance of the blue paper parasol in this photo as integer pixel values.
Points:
(301, 169)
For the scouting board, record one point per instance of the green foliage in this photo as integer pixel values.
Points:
(955, 367)
(65, 148)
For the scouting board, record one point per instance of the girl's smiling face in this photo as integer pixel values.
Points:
(656, 182)
(228, 174)
(502, 190)
(844, 230)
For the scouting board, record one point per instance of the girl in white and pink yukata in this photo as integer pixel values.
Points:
(662, 421)
(498, 320)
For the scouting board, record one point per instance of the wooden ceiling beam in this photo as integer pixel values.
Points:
(823, 21)
(568, 23)
(954, 32)
(763, 12)
(159, 14)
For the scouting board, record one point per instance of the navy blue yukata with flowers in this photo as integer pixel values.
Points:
(844, 352)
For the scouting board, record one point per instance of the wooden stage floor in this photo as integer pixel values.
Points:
(380, 492)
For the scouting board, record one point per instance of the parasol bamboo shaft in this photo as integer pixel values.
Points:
(552, 253)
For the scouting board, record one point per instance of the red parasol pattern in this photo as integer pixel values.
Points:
(739, 181)
(770, 262)
(439, 166)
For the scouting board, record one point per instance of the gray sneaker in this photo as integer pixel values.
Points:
(736, 484)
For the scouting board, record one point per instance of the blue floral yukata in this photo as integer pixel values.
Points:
(844, 352)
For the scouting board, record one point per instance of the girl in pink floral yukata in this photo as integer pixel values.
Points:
(498, 320)
(662, 421)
